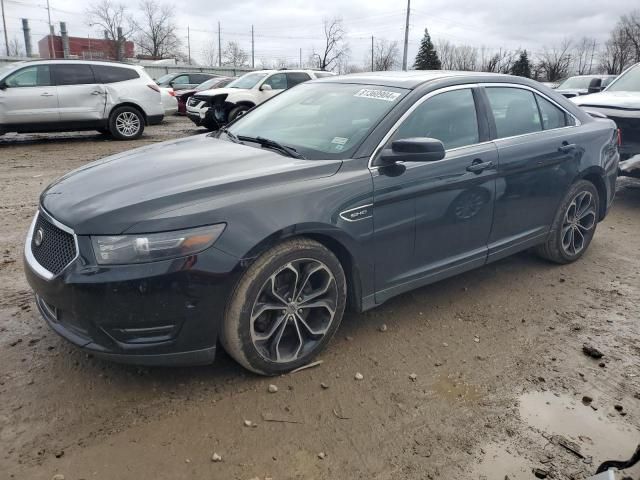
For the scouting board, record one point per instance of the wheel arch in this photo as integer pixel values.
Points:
(333, 240)
(595, 175)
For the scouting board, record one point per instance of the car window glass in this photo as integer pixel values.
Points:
(180, 80)
(323, 74)
(34, 76)
(277, 81)
(107, 74)
(73, 74)
(199, 78)
(294, 78)
(552, 116)
(514, 110)
(449, 117)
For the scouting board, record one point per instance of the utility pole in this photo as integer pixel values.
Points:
(406, 38)
(51, 31)
(372, 53)
(219, 47)
(4, 25)
(253, 52)
(300, 57)
(189, 44)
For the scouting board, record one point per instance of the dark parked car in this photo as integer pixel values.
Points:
(339, 192)
(584, 84)
(183, 95)
(183, 80)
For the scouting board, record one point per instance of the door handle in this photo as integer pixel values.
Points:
(478, 166)
(567, 147)
(96, 92)
(47, 94)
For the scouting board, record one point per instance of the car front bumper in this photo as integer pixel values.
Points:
(158, 313)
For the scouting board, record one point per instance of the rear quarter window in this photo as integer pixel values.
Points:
(108, 74)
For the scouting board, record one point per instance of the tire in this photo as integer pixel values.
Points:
(237, 111)
(126, 123)
(574, 225)
(284, 335)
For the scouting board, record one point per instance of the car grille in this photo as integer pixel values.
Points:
(195, 100)
(56, 248)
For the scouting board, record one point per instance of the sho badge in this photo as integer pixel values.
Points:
(39, 237)
(358, 213)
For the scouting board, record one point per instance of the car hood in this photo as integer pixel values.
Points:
(219, 91)
(150, 188)
(185, 91)
(630, 100)
(572, 91)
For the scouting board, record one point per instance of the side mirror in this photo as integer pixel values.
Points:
(3, 85)
(595, 85)
(266, 87)
(417, 149)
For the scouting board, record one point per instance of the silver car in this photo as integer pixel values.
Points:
(68, 95)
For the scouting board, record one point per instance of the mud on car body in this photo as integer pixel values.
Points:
(340, 193)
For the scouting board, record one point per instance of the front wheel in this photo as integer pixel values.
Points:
(126, 123)
(285, 308)
(237, 111)
(574, 224)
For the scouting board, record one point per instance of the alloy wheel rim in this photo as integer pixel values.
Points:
(294, 310)
(128, 124)
(579, 221)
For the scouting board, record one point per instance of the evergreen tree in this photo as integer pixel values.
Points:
(427, 57)
(522, 66)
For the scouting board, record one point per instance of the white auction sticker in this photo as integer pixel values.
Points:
(339, 140)
(385, 95)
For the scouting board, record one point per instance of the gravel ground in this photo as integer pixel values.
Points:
(479, 376)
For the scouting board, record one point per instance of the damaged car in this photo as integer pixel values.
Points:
(620, 102)
(219, 106)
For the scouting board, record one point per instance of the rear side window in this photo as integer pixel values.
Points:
(449, 117)
(73, 74)
(552, 116)
(294, 78)
(198, 78)
(515, 111)
(107, 74)
(34, 76)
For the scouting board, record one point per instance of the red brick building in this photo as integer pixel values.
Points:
(82, 47)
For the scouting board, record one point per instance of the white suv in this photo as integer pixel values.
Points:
(214, 108)
(67, 95)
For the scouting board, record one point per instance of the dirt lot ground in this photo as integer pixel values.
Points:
(497, 357)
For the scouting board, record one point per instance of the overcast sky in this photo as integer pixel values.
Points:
(282, 27)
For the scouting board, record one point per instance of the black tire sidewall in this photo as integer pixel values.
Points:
(235, 111)
(578, 187)
(112, 123)
(246, 294)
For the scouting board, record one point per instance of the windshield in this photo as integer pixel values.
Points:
(320, 120)
(627, 82)
(209, 84)
(165, 79)
(575, 82)
(247, 81)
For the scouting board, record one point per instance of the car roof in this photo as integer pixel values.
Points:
(48, 61)
(414, 78)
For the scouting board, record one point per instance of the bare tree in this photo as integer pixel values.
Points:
(335, 47)
(555, 61)
(630, 25)
(210, 53)
(446, 54)
(233, 55)
(584, 56)
(385, 55)
(465, 58)
(617, 53)
(156, 29)
(113, 18)
(15, 48)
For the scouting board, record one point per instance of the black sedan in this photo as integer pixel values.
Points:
(341, 192)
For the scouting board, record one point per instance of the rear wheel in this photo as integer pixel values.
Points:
(285, 308)
(574, 225)
(126, 123)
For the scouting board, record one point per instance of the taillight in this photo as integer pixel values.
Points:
(154, 87)
(619, 137)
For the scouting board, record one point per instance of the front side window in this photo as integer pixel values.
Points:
(277, 81)
(321, 120)
(552, 116)
(449, 117)
(627, 82)
(180, 80)
(73, 74)
(514, 110)
(34, 76)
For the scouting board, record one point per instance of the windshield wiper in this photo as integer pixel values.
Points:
(229, 134)
(266, 142)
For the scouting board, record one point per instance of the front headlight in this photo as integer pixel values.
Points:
(123, 249)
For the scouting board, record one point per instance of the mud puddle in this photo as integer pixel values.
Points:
(599, 433)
